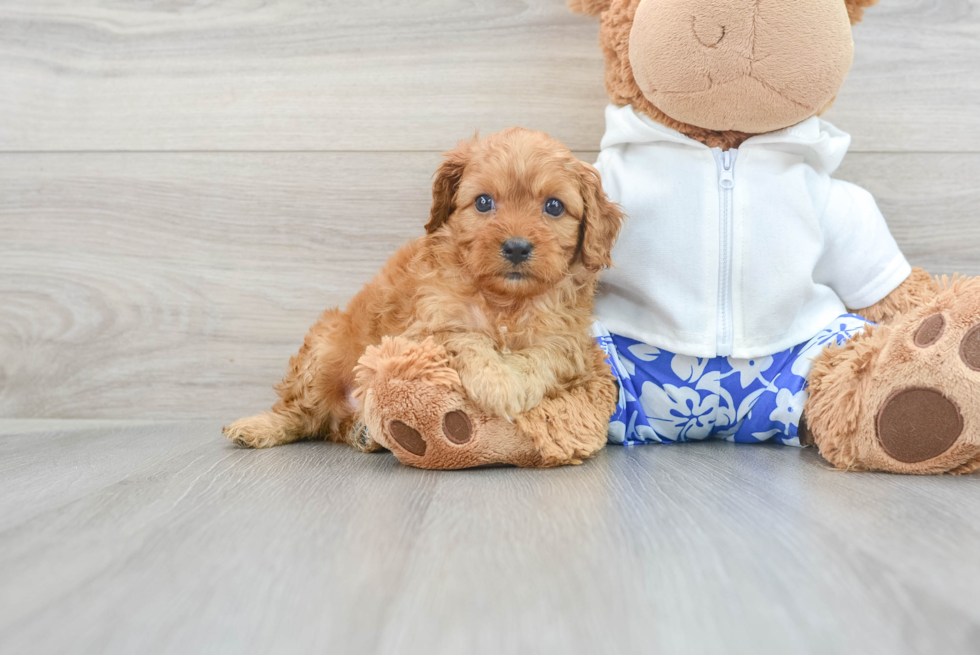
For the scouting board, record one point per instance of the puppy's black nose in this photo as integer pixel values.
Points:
(516, 250)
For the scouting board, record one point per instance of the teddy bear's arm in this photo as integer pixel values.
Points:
(917, 289)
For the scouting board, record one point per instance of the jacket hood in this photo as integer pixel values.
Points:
(821, 144)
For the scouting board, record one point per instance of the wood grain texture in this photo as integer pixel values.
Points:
(396, 75)
(177, 286)
(145, 280)
(178, 542)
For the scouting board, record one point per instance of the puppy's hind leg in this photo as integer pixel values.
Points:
(286, 424)
(297, 415)
(314, 396)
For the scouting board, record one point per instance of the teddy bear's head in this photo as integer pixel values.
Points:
(721, 70)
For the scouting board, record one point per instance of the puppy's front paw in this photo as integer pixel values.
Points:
(532, 396)
(496, 391)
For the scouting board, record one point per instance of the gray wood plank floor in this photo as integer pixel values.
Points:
(162, 538)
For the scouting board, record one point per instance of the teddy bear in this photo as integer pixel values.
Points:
(756, 298)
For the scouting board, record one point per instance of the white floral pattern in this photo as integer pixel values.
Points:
(680, 412)
(789, 408)
(687, 368)
(644, 353)
(749, 370)
(666, 397)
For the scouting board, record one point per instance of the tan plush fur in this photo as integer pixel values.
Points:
(855, 9)
(504, 341)
(617, 20)
(741, 65)
(849, 385)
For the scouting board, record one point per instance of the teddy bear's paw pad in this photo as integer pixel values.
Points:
(407, 437)
(930, 331)
(915, 425)
(457, 427)
(970, 349)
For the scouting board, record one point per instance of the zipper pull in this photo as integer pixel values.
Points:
(727, 178)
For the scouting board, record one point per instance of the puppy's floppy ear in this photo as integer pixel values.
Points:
(589, 7)
(446, 185)
(855, 9)
(601, 223)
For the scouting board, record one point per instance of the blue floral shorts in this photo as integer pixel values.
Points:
(665, 397)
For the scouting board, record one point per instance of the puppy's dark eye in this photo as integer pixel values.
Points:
(554, 207)
(484, 203)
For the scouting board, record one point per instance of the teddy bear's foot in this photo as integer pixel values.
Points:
(905, 397)
(413, 404)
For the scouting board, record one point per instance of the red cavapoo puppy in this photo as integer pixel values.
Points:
(474, 340)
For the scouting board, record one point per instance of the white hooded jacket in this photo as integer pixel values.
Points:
(743, 253)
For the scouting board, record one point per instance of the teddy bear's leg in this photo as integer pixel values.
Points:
(904, 397)
(414, 405)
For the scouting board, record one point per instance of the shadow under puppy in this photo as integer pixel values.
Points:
(472, 346)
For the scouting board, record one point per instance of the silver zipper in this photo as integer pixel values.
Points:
(726, 183)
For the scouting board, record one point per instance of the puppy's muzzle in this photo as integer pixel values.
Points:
(516, 250)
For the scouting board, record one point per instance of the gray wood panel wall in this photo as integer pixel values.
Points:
(186, 184)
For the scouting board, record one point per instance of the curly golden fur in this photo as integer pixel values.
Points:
(516, 334)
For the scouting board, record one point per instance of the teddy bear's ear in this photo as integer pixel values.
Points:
(589, 7)
(855, 9)
(447, 183)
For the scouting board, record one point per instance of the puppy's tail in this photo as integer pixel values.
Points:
(400, 358)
